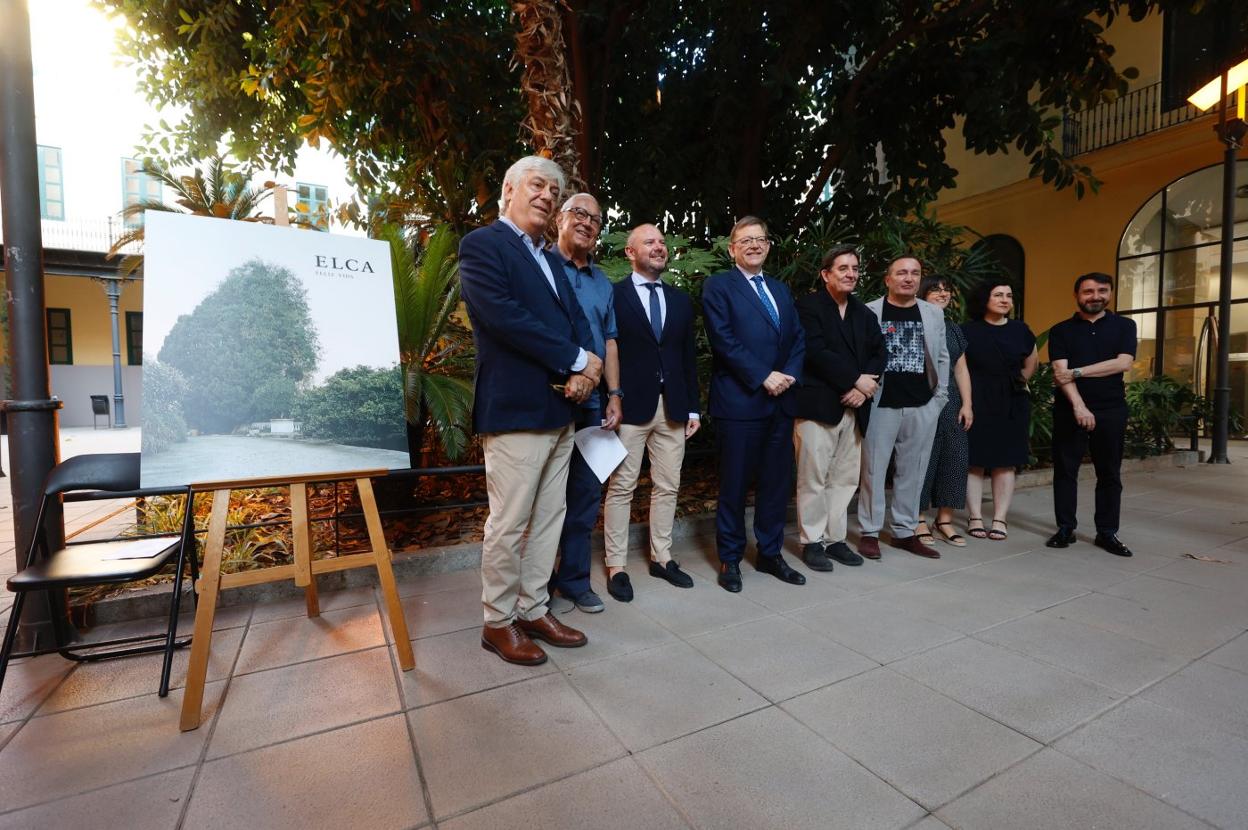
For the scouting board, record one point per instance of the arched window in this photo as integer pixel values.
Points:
(1168, 278)
(1008, 252)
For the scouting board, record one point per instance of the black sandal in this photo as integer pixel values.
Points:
(999, 535)
(976, 532)
(952, 538)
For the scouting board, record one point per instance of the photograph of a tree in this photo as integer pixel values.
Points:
(244, 350)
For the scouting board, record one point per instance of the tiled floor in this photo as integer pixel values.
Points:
(1003, 686)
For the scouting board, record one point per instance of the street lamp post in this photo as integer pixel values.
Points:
(1231, 131)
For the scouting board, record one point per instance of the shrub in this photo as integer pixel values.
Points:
(360, 406)
(164, 390)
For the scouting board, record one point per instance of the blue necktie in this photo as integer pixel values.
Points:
(656, 312)
(762, 295)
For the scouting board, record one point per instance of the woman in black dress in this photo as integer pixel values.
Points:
(1001, 356)
(945, 485)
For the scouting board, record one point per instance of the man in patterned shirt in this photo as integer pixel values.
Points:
(911, 393)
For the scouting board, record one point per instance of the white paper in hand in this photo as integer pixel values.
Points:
(602, 450)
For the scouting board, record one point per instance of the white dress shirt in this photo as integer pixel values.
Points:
(643, 294)
(750, 279)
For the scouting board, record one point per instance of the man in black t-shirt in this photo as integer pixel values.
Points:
(1090, 353)
(911, 394)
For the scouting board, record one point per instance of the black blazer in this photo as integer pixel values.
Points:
(837, 352)
(644, 360)
(526, 337)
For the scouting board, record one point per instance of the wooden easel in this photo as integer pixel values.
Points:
(303, 571)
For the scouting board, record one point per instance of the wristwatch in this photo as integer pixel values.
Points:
(615, 393)
(1078, 373)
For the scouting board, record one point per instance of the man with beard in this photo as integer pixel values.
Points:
(757, 348)
(1090, 352)
(844, 359)
(580, 221)
(535, 365)
(912, 392)
(659, 392)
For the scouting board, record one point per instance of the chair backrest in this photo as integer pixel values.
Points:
(111, 471)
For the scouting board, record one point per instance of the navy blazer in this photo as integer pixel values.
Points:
(746, 346)
(837, 352)
(644, 360)
(526, 338)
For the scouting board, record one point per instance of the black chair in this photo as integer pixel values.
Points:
(111, 562)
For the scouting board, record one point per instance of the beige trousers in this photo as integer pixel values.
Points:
(666, 441)
(526, 477)
(828, 462)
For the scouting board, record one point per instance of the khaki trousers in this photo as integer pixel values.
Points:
(666, 441)
(526, 477)
(829, 458)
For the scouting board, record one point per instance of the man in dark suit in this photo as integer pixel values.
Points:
(659, 393)
(758, 348)
(535, 364)
(845, 357)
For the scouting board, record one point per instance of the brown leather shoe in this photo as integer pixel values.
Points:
(550, 630)
(513, 645)
(913, 545)
(869, 546)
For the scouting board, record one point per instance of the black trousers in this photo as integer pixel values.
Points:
(1105, 443)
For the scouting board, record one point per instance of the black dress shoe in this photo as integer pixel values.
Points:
(1064, 538)
(815, 558)
(672, 573)
(842, 553)
(620, 587)
(730, 577)
(777, 567)
(1109, 542)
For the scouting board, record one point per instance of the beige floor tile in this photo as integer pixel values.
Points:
(614, 796)
(768, 770)
(152, 803)
(328, 601)
(620, 629)
(442, 612)
(881, 632)
(72, 752)
(28, 682)
(358, 776)
(92, 683)
(655, 695)
(283, 703)
(487, 746)
(467, 579)
(294, 640)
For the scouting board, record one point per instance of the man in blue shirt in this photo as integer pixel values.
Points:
(580, 222)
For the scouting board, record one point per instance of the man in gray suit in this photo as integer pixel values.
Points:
(911, 394)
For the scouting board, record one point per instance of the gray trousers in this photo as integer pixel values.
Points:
(910, 431)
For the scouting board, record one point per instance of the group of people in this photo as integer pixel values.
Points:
(843, 388)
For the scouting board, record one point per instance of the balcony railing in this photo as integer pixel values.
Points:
(97, 235)
(1137, 113)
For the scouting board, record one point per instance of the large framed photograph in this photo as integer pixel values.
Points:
(267, 352)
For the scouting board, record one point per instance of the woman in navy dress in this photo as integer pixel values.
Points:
(1001, 356)
(945, 485)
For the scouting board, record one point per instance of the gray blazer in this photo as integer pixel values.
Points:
(937, 351)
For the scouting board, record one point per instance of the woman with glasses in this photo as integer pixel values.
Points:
(1001, 356)
(945, 485)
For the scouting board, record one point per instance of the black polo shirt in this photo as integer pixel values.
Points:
(1081, 343)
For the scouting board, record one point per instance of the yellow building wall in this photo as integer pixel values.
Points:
(1063, 236)
(89, 319)
(1135, 45)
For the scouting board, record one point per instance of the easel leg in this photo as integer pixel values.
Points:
(385, 575)
(303, 546)
(205, 612)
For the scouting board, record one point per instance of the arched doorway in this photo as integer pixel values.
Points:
(1008, 252)
(1168, 276)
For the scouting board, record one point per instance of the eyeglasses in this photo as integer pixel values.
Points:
(750, 240)
(583, 215)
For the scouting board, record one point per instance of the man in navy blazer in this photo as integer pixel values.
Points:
(758, 348)
(659, 394)
(534, 366)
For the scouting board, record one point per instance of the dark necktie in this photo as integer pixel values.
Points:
(762, 295)
(656, 311)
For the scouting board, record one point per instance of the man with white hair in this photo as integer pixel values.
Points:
(535, 366)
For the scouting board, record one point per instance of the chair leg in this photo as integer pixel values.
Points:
(171, 637)
(10, 632)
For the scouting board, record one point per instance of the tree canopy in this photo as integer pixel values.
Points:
(244, 350)
(690, 112)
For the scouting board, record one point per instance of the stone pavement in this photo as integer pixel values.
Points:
(1003, 686)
